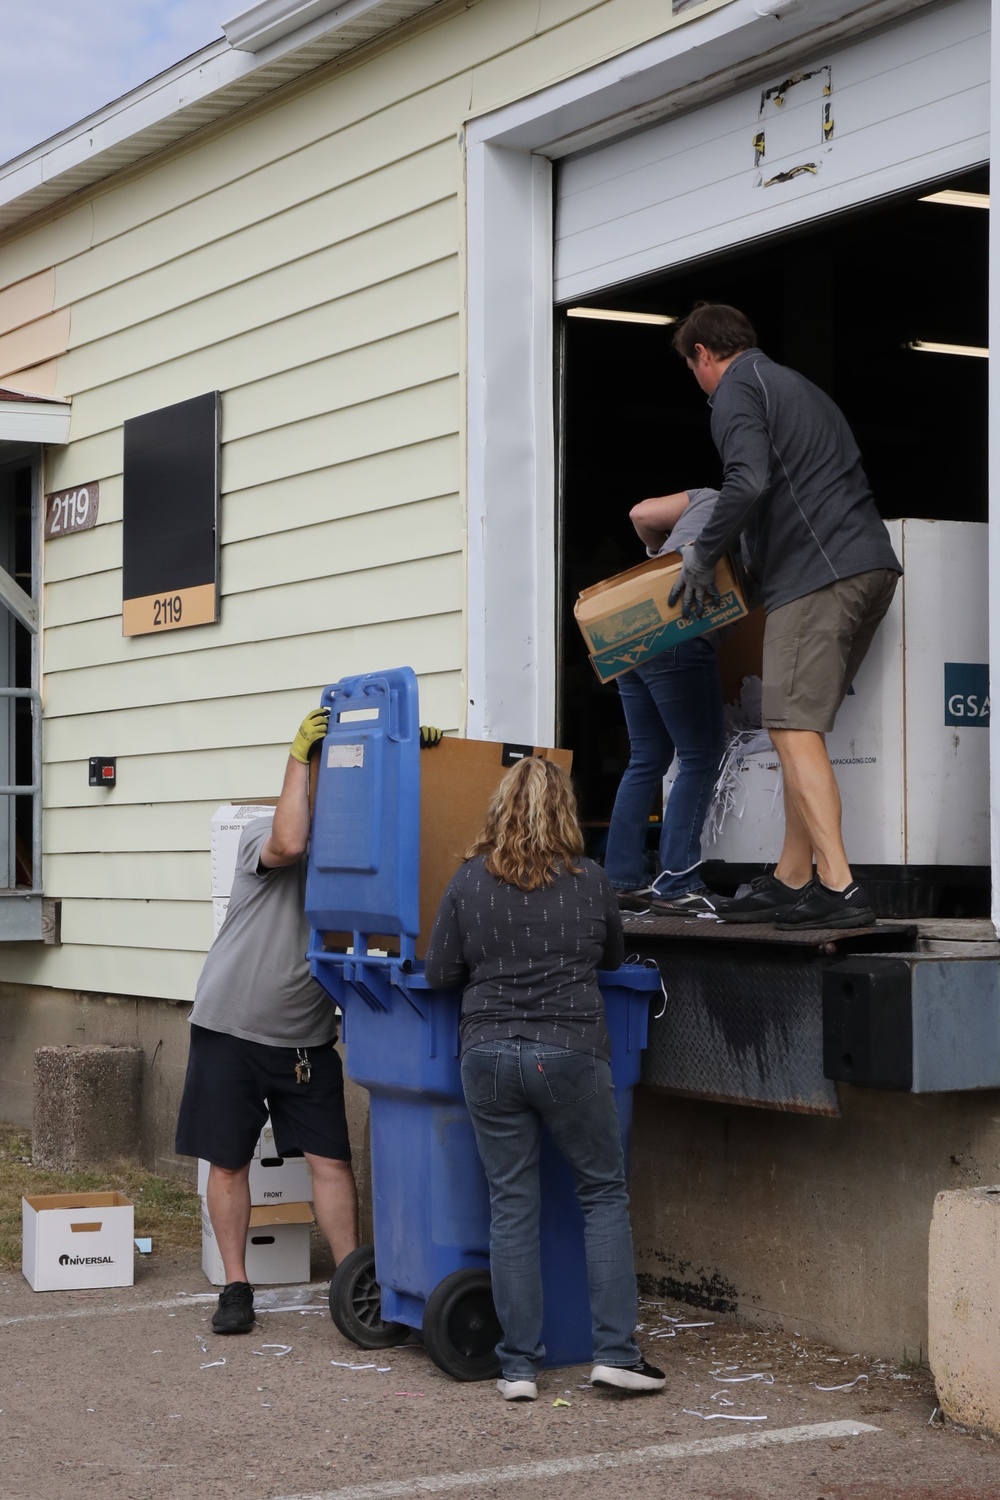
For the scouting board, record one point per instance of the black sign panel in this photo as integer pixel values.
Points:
(170, 517)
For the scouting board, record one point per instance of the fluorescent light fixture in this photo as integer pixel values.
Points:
(925, 347)
(612, 315)
(957, 199)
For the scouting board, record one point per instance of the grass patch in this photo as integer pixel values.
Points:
(165, 1208)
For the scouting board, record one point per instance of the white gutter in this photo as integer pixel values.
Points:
(268, 22)
(293, 38)
(34, 421)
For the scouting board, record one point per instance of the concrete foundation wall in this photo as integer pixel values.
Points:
(32, 1017)
(818, 1225)
(814, 1224)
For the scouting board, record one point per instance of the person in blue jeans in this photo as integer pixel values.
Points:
(673, 706)
(523, 927)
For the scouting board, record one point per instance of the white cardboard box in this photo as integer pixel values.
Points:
(273, 1179)
(910, 747)
(277, 1246)
(71, 1240)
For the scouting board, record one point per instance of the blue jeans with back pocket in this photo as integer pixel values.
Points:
(511, 1087)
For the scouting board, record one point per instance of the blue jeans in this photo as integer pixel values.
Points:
(673, 702)
(511, 1086)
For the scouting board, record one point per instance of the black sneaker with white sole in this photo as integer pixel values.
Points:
(632, 1380)
(234, 1313)
(636, 902)
(691, 904)
(818, 906)
(766, 900)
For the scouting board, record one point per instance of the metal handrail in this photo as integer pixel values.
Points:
(35, 789)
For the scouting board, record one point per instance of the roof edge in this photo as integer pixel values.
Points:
(281, 40)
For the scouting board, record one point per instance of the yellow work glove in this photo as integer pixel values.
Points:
(429, 736)
(311, 731)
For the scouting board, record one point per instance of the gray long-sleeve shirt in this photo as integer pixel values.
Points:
(528, 959)
(793, 484)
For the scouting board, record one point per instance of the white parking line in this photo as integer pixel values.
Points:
(107, 1312)
(184, 1300)
(589, 1463)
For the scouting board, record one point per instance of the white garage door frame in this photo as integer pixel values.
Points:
(510, 293)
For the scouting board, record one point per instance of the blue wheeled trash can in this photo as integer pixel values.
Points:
(429, 1267)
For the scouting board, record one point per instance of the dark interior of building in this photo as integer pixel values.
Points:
(840, 301)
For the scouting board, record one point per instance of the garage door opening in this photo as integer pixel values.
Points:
(851, 303)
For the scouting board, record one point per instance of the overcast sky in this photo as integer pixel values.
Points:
(62, 59)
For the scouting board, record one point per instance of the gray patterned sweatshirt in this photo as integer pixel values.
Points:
(528, 959)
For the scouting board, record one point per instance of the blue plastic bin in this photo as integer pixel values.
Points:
(430, 1201)
(431, 1210)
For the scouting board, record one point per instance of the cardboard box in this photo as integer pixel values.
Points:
(273, 1179)
(72, 1240)
(277, 1246)
(626, 619)
(457, 780)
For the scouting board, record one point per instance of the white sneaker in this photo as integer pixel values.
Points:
(632, 1379)
(518, 1390)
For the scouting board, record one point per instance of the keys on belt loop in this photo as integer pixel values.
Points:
(303, 1067)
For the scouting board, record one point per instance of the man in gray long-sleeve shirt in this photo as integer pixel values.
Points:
(821, 557)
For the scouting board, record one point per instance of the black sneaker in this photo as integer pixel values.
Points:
(766, 899)
(818, 906)
(634, 901)
(633, 1380)
(692, 903)
(234, 1313)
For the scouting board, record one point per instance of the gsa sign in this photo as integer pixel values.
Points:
(967, 693)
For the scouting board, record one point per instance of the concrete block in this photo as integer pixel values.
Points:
(964, 1306)
(87, 1106)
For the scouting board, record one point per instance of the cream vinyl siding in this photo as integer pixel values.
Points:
(304, 258)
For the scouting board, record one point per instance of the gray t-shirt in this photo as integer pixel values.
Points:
(256, 982)
(693, 517)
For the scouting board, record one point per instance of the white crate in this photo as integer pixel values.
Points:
(277, 1250)
(71, 1240)
(910, 747)
(273, 1179)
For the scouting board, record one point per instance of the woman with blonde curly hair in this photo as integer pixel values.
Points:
(524, 926)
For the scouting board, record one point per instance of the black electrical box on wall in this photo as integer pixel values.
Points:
(868, 1023)
(103, 770)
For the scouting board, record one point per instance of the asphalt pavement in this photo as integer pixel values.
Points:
(126, 1393)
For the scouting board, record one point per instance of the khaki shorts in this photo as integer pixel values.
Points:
(814, 646)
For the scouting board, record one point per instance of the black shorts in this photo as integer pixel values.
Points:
(232, 1085)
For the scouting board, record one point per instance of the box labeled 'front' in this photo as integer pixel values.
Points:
(273, 1179)
(72, 1240)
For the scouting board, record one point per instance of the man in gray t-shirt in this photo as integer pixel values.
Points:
(262, 1041)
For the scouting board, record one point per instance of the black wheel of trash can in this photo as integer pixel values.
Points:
(461, 1328)
(356, 1303)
